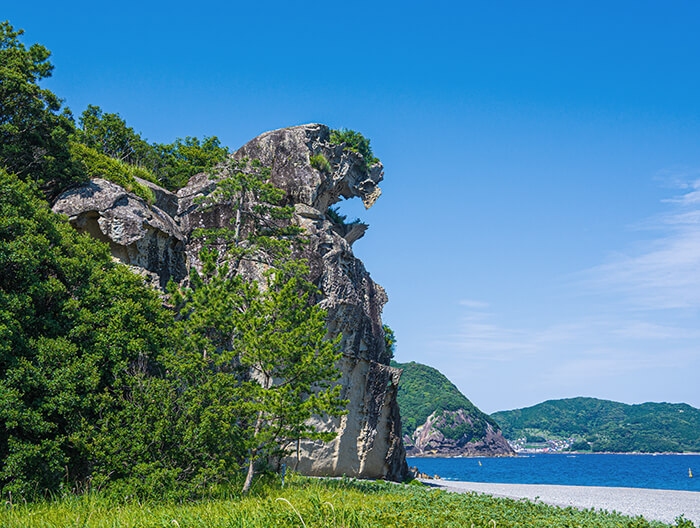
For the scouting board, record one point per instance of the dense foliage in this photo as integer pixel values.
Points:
(171, 164)
(39, 140)
(110, 135)
(355, 142)
(74, 328)
(332, 503)
(100, 385)
(424, 390)
(34, 132)
(607, 425)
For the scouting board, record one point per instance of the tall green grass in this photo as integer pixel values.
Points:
(98, 165)
(310, 503)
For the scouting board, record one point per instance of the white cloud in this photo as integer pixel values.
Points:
(634, 337)
(666, 272)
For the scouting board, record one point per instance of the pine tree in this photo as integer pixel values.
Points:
(266, 338)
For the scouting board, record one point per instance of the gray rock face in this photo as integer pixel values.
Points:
(139, 234)
(287, 152)
(430, 438)
(156, 238)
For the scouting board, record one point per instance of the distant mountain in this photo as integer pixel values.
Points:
(603, 425)
(437, 419)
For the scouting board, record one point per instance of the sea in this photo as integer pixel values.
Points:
(626, 471)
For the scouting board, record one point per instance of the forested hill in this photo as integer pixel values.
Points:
(603, 425)
(424, 390)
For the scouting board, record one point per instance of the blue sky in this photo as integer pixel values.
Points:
(539, 232)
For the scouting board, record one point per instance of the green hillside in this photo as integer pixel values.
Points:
(606, 425)
(423, 390)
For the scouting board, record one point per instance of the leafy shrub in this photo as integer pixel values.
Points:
(355, 142)
(171, 164)
(109, 134)
(74, 324)
(320, 163)
(175, 163)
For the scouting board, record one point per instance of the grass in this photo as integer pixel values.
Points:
(98, 165)
(312, 503)
(320, 163)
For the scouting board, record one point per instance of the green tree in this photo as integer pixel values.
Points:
(173, 164)
(389, 341)
(109, 134)
(179, 430)
(268, 337)
(34, 132)
(355, 142)
(292, 366)
(73, 325)
(259, 229)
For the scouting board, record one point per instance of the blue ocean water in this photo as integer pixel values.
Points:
(628, 471)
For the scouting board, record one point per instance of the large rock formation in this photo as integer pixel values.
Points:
(452, 433)
(141, 235)
(156, 239)
(438, 420)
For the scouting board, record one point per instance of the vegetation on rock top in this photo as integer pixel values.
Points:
(170, 164)
(355, 142)
(98, 165)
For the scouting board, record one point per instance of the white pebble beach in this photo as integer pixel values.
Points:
(653, 504)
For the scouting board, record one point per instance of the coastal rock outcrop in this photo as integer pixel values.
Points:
(438, 420)
(452, 433)
(157, 240)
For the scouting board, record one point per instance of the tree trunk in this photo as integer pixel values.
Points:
(253, 452)
(237, 225)
(249, 476)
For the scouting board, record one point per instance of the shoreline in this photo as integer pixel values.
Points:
(521, 453)
(653, 504)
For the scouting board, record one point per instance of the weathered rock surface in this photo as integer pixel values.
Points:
(450, 433)
(156, 238)
(139, 234)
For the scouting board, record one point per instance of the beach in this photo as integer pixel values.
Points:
(653, 504)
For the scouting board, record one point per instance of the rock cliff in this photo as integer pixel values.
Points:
(456, 433)
(155, 240)
(439, 420)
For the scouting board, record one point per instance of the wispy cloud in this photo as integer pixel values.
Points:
(634, 337)
(665, 272)
(471, 303)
